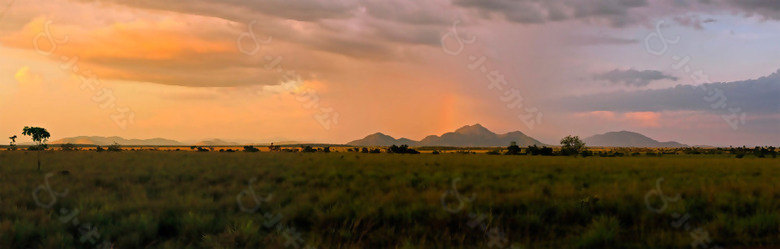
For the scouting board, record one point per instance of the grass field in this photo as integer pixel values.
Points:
(143, 199)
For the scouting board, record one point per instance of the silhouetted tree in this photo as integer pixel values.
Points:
(364, 150)
(545, 151)
(39, 136)
(13, 142)
(273, 147)
(534, 150)
(571, 145)
(308, 149)
(513, 149)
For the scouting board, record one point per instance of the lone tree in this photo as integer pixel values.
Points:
(513, 149)
(13, 142)
(572, 145)
(39, 136)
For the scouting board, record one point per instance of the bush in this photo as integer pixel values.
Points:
(99, 149)
(250, 148)
(114, 147)
(403, 149)
(36, 147)
(308, 149)
(68, 147)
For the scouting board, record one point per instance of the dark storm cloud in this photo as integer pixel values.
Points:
(753, 96)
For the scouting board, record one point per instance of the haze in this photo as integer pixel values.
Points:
(187, 71)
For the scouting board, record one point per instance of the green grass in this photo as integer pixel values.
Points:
(353, 200)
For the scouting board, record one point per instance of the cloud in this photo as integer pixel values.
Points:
(638, 119)
(768, 9)
(596, 40)
(757, 96)
(694, 21)
(614, 12)
(633, 77)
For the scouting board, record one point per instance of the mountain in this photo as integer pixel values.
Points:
(627, 139)
(466, 136)
(379, 139)
(477, 135)
(93, 140)
(214, 142)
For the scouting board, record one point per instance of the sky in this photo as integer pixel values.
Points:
(700, 72)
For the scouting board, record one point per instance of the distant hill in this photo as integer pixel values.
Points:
(94, 140)
(214, 142)
(477, 135)
(627, 139)
(380, 139)
(467, 136)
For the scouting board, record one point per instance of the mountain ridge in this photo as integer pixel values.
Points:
(627, 139)
(466, 136)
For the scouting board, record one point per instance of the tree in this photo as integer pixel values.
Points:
(513, 149)
(572, 145)
(39, 136)
(13, 142)
(114, 147)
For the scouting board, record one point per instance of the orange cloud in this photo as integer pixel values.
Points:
(641, 119)
(644, 119)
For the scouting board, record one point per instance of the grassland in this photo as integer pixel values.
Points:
(145, 199)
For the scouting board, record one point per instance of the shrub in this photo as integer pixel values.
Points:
(513, 149)
(99, 149)
(403, 149)
(114, 147)
(68, 147)
(250, 148)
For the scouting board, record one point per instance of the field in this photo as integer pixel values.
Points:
(148, 199)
